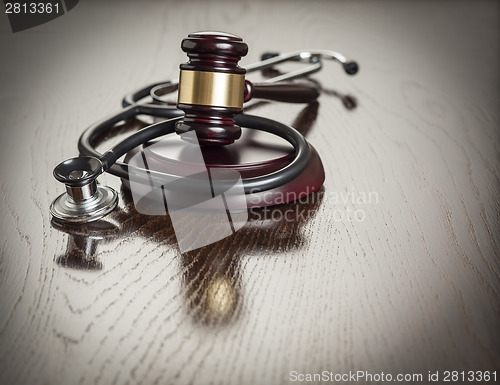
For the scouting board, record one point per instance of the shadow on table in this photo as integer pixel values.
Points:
(211, 275)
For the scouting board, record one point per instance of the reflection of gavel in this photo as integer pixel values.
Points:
(212, 87)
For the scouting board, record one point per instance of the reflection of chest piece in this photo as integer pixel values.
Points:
(211, 92)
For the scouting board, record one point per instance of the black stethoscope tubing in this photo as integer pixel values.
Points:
(132, 108)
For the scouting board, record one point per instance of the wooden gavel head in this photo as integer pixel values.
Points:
(212, 87)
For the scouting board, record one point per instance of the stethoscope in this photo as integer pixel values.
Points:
(85, 201)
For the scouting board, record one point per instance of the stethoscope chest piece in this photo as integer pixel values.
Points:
(84, 201)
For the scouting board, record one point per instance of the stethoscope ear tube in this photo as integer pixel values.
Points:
(250, 185)
(109, 159)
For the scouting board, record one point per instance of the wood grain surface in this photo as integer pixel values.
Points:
(410, 285)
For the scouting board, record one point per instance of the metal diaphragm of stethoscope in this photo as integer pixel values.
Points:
(211, 92)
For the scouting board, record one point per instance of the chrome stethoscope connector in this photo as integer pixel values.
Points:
(84, 201)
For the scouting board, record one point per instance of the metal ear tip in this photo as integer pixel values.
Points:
(351, 67)
(66, 209)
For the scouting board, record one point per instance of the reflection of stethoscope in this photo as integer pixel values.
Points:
(211, 92)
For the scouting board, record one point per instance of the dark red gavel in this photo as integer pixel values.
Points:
(212, 88)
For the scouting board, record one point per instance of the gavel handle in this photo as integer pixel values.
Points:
(284, 92)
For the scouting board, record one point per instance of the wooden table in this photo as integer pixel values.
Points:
(410, 285)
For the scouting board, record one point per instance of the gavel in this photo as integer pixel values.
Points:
(212, 88)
